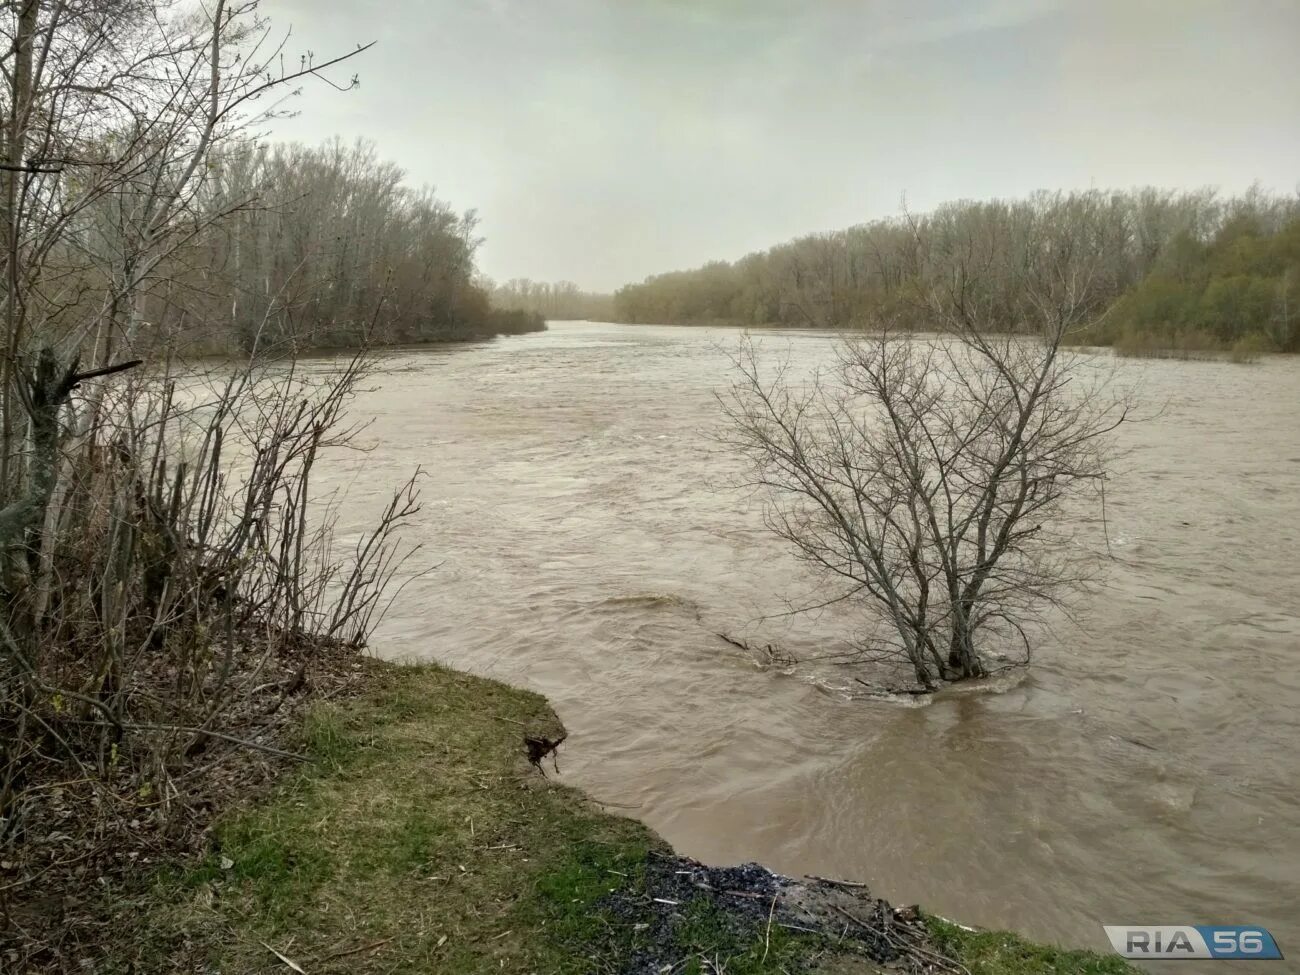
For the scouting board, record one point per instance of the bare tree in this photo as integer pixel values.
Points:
(931, 475)
(114, 110)
(162, 544)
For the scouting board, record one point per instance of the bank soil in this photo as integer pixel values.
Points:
(423, 830)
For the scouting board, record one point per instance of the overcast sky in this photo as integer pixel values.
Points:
(605, 140)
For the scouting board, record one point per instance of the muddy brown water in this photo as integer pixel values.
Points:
(1145, 771)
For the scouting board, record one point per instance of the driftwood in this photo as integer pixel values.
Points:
(768, 655)
(539, 746)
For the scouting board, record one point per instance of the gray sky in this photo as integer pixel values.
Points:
(604, 140)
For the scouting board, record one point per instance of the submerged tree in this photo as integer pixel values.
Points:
(930, 475)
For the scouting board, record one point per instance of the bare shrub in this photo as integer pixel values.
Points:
(929, 476)
(181, 554)
(1184, 344)
(1250, 348)
(164, 558)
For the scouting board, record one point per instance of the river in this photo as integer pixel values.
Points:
(587, 547)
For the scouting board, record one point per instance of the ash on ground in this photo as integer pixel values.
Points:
(747, 901)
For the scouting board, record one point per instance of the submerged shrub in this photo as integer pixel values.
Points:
(1191, 343)
(1249, 348)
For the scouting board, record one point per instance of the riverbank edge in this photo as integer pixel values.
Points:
(426, 832)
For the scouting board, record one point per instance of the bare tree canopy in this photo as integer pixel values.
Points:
(163, 547)
(929, 475)
(559, 300)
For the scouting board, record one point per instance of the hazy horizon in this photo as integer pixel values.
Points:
(602, 142)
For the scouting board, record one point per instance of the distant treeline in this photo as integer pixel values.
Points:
(557, 301)
(325, 248)
(1181, 269)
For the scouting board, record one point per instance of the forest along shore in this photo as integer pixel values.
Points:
(409, 819)
(1188, 275)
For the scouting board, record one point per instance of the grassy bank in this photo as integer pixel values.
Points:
(418, 838)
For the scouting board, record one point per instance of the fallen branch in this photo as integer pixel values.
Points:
(909, 947)
(836, 883)
(286, 959)
(767, 935)
(356, 951)
(218, 734)
(768, 655)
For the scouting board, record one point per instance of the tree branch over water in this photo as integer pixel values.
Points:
(928, 476)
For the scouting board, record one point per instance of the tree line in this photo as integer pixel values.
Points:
(1236, 286)
(325, 247)
(557, 301)
(174, 228)
(1221, 269)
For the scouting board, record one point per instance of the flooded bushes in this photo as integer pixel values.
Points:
(515, 322)
(1249, 348)
(1187, 344)
(1184, 344)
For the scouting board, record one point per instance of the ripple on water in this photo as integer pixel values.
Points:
(586, 550)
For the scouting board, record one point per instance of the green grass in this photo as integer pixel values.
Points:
(709, 934)
(1000, 953)
(418, 840)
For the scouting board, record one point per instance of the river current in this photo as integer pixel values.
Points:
(587, 546)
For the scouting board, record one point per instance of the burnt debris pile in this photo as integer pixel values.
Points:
(682, 909)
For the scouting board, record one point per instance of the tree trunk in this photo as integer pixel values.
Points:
(963, 662)
(15, 136)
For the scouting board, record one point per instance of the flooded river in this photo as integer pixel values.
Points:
(1144, 772)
